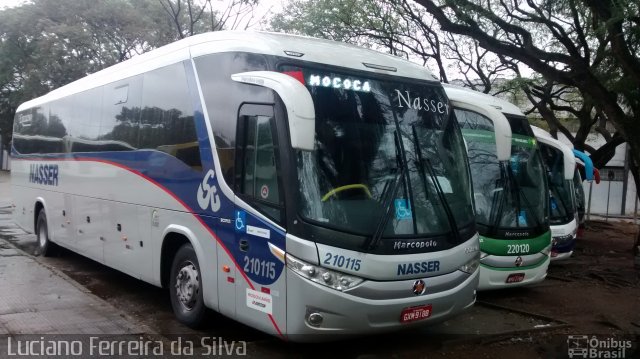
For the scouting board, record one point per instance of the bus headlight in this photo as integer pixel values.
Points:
(471, 265)
(320, 275)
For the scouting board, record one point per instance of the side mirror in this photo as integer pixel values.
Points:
(502, 129)
(297, 100)
(588, 164)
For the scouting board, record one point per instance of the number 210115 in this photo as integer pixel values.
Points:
(341, 261)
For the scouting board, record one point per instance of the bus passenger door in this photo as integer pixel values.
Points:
(259, 204)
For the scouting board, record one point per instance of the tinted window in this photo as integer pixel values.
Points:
(85, 130)
(60, 117)
(223, 97)
(258, 175)
(120, 118)
(519, 125)
(34, 132)
(167, 122)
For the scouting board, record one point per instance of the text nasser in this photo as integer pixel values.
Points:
(45, 174)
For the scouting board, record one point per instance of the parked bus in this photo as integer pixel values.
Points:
(300, 186)
(584, 171)
(563, 215)
(510, 189)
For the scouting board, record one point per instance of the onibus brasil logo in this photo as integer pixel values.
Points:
(583, 346)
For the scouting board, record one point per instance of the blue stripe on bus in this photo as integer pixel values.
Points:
(181, 182)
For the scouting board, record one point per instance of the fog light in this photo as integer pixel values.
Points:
(315, 319)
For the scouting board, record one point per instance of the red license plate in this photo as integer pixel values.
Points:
(515, 278)
(415, 313)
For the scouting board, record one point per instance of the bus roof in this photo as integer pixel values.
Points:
(269, 43)
(477, 97)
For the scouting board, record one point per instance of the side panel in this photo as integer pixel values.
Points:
(227, 272)
(261, 295)
(92, 222)
(126, 247)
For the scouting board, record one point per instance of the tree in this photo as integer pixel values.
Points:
(590, 45)
(46, 44)
(49, 43)
(396, 28)
(188, 17)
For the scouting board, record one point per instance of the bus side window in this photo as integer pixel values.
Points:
(167, 123)
(120, 119)
(257, 162)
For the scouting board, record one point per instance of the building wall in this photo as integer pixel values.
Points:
(606, 191)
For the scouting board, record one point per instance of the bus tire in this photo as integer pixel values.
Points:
(44, 247)
(185, 287)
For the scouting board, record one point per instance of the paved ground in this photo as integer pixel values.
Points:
(37, 299)
(5, 189)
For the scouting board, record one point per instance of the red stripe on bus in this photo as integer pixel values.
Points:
(149, 179)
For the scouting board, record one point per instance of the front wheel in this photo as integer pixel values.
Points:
(186, 288)
(45, 246)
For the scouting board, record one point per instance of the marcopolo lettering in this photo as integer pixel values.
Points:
(418, 267)
(421, 104)
(414, 245)
(44, 174)
(516, 234)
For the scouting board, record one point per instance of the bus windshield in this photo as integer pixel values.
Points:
(389, 159)
(507, 195)
(562, 206)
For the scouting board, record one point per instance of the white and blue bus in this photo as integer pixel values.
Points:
(510, 189)
(560, 163)
(584, 171)
(299, 186)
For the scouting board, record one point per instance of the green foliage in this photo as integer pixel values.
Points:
(46, 44)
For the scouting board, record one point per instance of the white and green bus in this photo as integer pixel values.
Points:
(509, 188)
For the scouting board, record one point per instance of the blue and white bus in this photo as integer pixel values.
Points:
(299, 186)
(563, 214)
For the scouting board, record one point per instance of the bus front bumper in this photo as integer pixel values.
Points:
(345, 314)
(498, 278)
(562, 249)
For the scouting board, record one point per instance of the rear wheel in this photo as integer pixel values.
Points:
(185, 288)
(45, 246)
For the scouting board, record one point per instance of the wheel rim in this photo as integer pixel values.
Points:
(42, 236)
(187, 285)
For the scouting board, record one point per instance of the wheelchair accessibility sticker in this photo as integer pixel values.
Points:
(240, 221)
(403, 211)
(242, 227)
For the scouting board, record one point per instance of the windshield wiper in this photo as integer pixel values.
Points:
(390, 193)
(505, 188)
(436, 185)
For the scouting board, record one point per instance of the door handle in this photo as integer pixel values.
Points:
(244, 245)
